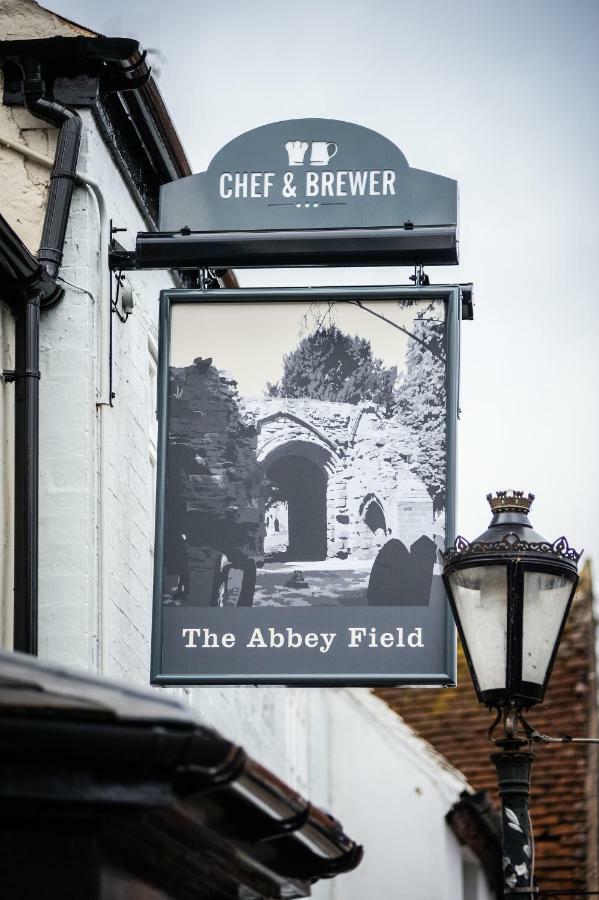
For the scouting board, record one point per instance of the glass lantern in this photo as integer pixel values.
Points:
(510, 592)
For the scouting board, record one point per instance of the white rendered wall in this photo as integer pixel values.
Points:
(392, 791)
(83, 521)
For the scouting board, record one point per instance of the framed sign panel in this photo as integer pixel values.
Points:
(306, 486)
(306, 192)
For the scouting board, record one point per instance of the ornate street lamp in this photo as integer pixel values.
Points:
(510, 591)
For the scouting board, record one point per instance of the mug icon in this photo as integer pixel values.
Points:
(322, 152)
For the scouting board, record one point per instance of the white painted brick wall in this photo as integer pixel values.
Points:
(263, 720)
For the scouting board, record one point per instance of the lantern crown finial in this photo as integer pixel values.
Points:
(510, 501)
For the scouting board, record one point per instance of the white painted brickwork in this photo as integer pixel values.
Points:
(76, 627)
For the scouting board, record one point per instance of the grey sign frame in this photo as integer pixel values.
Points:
(452, 296)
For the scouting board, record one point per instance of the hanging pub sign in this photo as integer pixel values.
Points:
(306, 475)
(305, 192)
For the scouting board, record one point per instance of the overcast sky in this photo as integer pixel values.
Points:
(501, 96)
(220, 330)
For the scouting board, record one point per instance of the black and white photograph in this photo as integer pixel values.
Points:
(306, 460)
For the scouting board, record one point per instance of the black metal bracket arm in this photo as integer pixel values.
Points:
(114, 300)
(119, 258)
(213, 252)
(114, 310)
(513, 716)
(432, 245)
(538, 737)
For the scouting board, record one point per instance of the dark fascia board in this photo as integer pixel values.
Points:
(150, 93)
(161, 848)
(20, 272)
(120, 63)
(100, 696)
(62, 730)
(477, 825)
(143, 143)
(191, 774)
(112, 76)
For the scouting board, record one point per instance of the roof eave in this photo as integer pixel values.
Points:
(131, 749)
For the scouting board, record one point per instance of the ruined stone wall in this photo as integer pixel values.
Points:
(374, 469)
(212, 467)
(364, 455)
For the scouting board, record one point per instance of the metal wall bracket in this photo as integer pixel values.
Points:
(186, 249)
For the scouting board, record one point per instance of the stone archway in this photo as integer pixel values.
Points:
(371, 510)
(297, 472)
(276, 524)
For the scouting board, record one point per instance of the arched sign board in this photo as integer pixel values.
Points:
(299, 182)
(306, 483)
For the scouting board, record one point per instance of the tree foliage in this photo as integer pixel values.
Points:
(420, 399)
(332, 365)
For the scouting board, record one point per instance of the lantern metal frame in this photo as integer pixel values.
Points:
(518, 556)
(513, 759)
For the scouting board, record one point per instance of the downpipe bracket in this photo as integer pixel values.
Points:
(11, 375)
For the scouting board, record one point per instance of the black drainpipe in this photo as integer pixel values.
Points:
(32, 285)
(64, 170)
(25, 285)
(27, 380)
(27, 374)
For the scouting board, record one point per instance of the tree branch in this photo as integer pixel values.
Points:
(318, 318)
(399, 328)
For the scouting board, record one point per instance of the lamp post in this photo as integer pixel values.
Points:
(510, 591)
